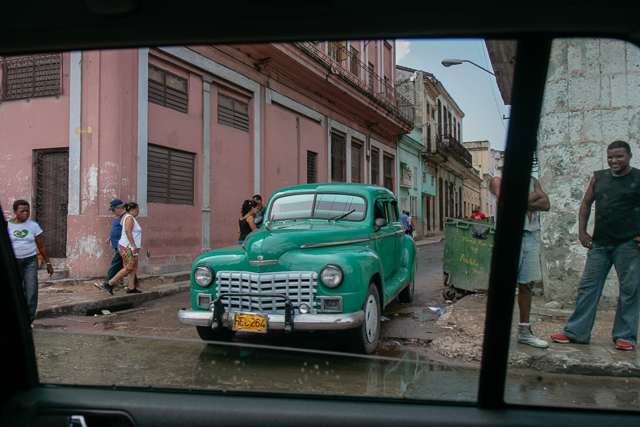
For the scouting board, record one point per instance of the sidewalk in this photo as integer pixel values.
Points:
(600, 357)
(80, 296)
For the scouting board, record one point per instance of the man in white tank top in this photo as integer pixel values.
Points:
(529, 263)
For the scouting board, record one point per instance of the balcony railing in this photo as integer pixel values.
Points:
(448, 144)
(451, 144)
(356, 72)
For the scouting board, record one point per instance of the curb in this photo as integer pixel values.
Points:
(101, 303)
(429, 242)
(554, 363)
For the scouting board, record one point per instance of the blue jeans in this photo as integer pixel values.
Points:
(29, 270)
(626, 258)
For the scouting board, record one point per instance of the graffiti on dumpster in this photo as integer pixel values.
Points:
(476, 242)
(469, 261)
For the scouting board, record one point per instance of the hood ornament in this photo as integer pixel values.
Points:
(260, 257)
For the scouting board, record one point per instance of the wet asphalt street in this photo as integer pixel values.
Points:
(147, 346)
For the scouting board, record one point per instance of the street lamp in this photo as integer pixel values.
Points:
(450, 62)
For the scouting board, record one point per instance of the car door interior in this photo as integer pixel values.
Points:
(87, 24)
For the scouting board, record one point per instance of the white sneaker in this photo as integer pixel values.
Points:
(526, 336)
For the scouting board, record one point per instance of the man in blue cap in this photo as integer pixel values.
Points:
(117, 207)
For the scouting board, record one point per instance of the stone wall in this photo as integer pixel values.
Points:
(592, 98)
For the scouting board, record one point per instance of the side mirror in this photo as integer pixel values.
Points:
(379, 223)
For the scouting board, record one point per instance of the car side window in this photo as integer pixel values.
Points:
(379, 210)
(393, 209)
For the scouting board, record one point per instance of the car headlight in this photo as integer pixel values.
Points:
(331, 275)
(203, 275)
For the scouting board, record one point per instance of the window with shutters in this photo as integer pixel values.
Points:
(167, 89)
(388, 172)
(338, 51)
(375, 167)
(233, 113)
(170, 176)
(32, 77)
(353, 61)
(338, 158)
(312, 167)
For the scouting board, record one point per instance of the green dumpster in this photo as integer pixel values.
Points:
(468, 246)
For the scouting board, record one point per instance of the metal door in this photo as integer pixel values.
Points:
(52, 196)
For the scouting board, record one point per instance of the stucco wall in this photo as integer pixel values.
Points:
(591, 99)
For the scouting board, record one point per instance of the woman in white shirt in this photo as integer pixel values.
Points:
(129, 248)
(25, 238)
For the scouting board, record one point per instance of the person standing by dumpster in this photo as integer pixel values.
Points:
(529, 270)
(477, 214)
(117, 207)
(616, 234)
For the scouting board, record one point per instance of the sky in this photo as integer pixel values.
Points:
(475, 91)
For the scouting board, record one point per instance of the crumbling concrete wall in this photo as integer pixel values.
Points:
(592, 98)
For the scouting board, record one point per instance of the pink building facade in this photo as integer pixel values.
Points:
(189, 133)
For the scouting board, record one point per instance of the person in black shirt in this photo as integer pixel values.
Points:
(615, 241)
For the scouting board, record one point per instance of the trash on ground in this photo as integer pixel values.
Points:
(105, 312)
(383, 319)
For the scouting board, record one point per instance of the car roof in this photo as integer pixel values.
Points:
(366, 190)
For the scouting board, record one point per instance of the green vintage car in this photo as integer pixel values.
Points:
(328, 257)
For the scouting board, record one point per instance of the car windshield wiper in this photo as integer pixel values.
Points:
(342, 216)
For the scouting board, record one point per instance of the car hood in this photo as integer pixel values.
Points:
(282, 238)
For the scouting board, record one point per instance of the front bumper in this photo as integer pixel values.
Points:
(301, 322)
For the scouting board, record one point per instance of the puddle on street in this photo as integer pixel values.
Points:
(137, 361)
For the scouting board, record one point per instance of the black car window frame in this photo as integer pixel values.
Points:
(529, 80)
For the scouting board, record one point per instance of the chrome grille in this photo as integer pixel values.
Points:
(299, 286)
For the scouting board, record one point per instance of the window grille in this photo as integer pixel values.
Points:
(375, 167)
(170, 178)
(32, 77)
(413, 206)
(167, 89)
(312, 172)
(233, 113)
(338, 158)
(356, 155)
(388, 172)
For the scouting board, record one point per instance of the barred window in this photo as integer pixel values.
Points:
(167, 89)
(312, 164)
(375, 167)
(32, 77)
(356, 159)
(413, 206)
(338, 158)
(233, 113)
(170, 178)
(388, 172)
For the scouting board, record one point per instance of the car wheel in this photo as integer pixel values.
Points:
(406, 295)
(364, 339)
(208, 334)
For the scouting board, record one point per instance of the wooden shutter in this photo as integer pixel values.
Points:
(170, 176)
(233, 113)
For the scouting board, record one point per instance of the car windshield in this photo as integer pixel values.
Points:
(347, 207)
(140, 186)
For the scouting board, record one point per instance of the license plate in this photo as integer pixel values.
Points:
(250, 322)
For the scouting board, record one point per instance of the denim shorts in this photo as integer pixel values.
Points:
(529, 264)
